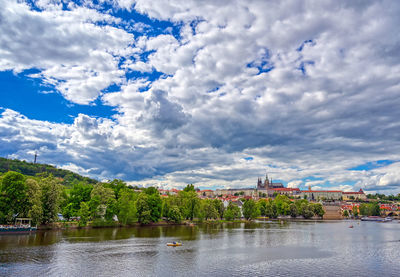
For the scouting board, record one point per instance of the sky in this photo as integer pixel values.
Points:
(214, 93)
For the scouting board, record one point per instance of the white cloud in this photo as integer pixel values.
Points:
(287, 83)
(72, 52)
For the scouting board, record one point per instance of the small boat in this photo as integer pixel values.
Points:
(174, 243)
(351, 226)
(22, 225)
(376, 218)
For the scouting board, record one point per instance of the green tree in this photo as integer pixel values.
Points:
(293, 210)
(126, 206)
(232, 212)
(143, 209)
(307, 210)
(190, 203)
(116, 185)
(364, 209)
(210, 212)
(345, 213)
(318, 209)
(35, 201)
(219, 206)
(84, 214)
(101, 198)
(250, 210)
(51, 198)
(189, 188)
(262, 207)
(14, 197)
(375, 209)
(174, 214)
(79, 193)
(155, 205)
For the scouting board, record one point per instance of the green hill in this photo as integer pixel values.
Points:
(33, 169)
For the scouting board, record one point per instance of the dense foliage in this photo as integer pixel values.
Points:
(32, 169)
(45, 200)
(379, 196)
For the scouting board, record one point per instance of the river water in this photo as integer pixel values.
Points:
(325, 248)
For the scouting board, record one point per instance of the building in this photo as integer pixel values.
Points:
(237, 192)
(354, 195)
(316, 195)
(292, 192)
(268, 184)
(207, 193)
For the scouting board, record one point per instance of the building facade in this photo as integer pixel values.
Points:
(354, 195)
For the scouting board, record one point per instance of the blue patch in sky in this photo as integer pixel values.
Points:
(28, 96)
(372, 165)
(248, 158)
(312, 178)
(309, 41)
(303, 64)
(263, 64)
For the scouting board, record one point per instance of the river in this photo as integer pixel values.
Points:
(324, 248)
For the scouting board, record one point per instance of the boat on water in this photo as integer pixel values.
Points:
(174, 244)
(22, 225)
(376, 218)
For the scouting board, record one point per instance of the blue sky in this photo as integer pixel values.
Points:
(217, 94)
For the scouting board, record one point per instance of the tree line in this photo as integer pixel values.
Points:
(364, 209)
(43, 198)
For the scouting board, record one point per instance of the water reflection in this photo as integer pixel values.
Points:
(223, 249)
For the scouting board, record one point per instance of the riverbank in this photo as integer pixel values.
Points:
(63, 225)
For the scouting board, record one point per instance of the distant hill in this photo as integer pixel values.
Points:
(32, 169)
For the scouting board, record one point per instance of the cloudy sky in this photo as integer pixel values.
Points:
(214, 93)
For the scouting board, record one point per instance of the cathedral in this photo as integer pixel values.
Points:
(268, 184)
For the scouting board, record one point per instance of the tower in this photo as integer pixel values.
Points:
(34, 161)
(266, 182)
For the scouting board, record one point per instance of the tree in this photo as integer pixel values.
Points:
(14, 197)
(51, 198)
(355, 211)
(116, 185)
(101, 198)
(35, 201)
(375, 209)
(79, 193)
(250, 210)
(364, 209)
(293, 210)
(190, 203)
(262, 207)
(232, 212)
(151, 190)
(318, 209)
(285, 209)
(174, 214)
(143, 209)
(155, 205)
(307, 211)
(84, 214)
(208, 209)
(189, 188)
(345, 213)
(126, 206)
(219, 206)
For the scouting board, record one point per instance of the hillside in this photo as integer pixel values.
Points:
(32, 169)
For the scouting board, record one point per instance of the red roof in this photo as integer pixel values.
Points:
(286, 189)
(353, 192)
(321, 191)
(206, 190)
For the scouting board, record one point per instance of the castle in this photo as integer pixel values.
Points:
(268, 184)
